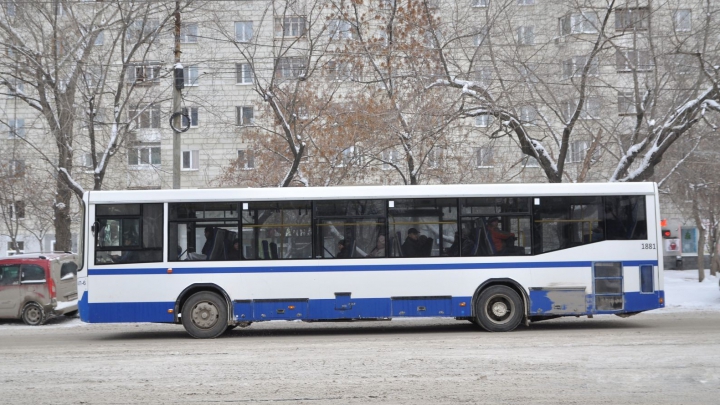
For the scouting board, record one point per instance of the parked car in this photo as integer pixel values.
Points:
(37, 287)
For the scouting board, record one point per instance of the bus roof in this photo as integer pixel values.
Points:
(371, 192)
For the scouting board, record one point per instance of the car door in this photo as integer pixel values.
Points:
(9, 290)
(33, 284)
(64, 273)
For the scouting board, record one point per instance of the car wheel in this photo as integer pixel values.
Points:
(204, 315)
(499, 309)
(33, 314)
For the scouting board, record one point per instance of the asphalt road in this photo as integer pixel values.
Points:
(653, 358)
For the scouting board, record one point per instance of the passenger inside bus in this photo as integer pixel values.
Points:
(209, 241)
(234, 253)
(416, 245)
(379, 249)
(502, 241)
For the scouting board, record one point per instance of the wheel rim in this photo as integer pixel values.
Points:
(205, 315)
(499, 309)
(33, 315)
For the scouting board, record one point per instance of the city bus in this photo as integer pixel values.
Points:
(497, 255)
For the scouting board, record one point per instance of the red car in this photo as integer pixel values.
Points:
(37, 287)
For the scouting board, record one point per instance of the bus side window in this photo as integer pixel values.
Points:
(129, 233)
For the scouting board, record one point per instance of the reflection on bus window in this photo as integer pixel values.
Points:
(359, 224)
(128, 233)
(422, 227)
(277, 230)
(202, 231)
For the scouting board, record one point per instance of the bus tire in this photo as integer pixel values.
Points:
(33, 314)
(499, 309)
(204, 315)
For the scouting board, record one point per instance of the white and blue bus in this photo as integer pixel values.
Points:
(498, 255)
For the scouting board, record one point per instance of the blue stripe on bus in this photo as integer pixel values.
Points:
(352, 268)
(332, 309)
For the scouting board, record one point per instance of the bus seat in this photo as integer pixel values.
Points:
(488, 239)
(273, 250)
(352, 249)
(218, 250)
(398, 244)
(265, 249)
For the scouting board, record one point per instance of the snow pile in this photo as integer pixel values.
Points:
(684, 293)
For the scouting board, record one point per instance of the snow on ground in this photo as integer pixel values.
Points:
(683, 293)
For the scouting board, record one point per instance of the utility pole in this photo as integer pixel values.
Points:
(177, 97)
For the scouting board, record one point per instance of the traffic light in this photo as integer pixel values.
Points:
(666, 234)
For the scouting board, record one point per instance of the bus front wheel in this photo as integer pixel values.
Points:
(204, 315)
(499, 309)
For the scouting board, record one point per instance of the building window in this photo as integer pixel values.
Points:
(340, 29)
(190, 160)
(93, 76)
(484, 157)
(290, 67)
(483, 75)
(191, 75)
(16, 128)
(631, 19)
(483, 120)
(246, 159)
(19, 248)
(244, 116)
(526, 35)
(481, 34)
(348, 156)
(190, 117)
(145, 73)
(433, 157)
(17, 210)
(480, 3)
(189, 33)
(626, 102)
(340, 70)
(59, 8)
(525, 2)
(630, 60)
(244, 73)
(10, 8)
(144, 155)
(686, 64)
(528, 72)
(16, 168)
(581, 23)
(100, 38)
(140, 29)
(682, 20)
(87, 162)
(528, 114)
(390, 159)
(574, 66)
(529, 161)
(147, 116)
(243, 31)
(590, 110)
(578, 149)
(290, 27)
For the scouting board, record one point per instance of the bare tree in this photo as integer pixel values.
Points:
(63, 64)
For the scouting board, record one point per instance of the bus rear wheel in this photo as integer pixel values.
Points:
(204, 315)
(499, 309)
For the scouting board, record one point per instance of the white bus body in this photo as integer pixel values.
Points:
(578, 249)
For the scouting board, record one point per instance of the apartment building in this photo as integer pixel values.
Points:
(326, 93)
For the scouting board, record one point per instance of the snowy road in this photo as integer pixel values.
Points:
(669, 356)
